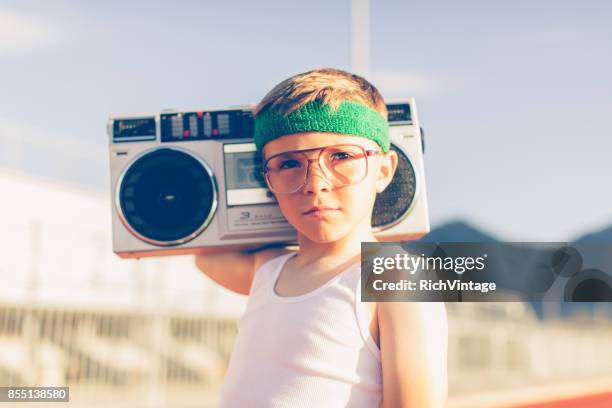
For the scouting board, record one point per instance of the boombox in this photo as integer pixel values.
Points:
(189, 181)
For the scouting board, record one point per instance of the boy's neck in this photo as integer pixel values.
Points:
(347, 247)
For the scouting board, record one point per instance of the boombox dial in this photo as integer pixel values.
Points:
(167, 196)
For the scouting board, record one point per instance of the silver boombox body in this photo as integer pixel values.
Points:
(188, 182)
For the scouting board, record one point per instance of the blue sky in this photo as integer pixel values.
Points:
(515, 97)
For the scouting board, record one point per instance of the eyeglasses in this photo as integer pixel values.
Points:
(342, 165)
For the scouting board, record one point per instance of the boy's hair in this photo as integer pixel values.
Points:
(328, 85)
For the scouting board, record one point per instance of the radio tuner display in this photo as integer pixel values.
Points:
(185, 126)
(136, 129)
(399, 113)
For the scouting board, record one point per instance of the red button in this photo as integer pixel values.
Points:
(186, 133)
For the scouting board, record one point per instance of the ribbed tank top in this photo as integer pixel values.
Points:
(312, 350)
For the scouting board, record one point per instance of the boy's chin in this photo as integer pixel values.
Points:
(325, 234)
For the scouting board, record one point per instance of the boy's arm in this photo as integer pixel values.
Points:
(232, 270)
(413, 345)
(235, 270)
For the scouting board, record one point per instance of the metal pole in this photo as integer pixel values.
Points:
(360, 37)
(34, 273)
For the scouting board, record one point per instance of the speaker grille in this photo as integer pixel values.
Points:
(167, 196)
(395, 202)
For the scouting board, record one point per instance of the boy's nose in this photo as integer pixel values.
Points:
(316, 180)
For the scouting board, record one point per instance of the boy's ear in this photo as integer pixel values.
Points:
(388, 165)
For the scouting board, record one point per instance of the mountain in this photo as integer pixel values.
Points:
(595, 251)
(604, 235)
(457, 231)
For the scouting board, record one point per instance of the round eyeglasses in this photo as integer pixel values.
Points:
(342, 165)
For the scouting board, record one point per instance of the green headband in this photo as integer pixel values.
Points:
(350, 118)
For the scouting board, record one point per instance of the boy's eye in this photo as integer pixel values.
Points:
(340, 156)
(288, 164)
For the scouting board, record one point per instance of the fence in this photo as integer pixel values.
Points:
(160, 358)
(104, 356)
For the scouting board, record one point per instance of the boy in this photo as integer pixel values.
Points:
(306, 339)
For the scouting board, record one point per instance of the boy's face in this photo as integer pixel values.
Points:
(352, 204)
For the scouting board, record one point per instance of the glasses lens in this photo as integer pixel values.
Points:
(286, 172)
(342, 165)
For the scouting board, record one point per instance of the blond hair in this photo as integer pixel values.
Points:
(328, 85)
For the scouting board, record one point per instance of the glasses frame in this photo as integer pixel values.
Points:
(366, 152)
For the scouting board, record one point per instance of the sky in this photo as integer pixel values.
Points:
(514, 97)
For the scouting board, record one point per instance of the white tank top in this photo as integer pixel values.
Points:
(312, 350)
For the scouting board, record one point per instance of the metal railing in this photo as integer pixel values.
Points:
(100, 354)
(158, 356)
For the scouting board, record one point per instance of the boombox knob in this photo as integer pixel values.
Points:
(422, 139)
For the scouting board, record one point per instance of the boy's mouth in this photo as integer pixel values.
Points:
(319, 210)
